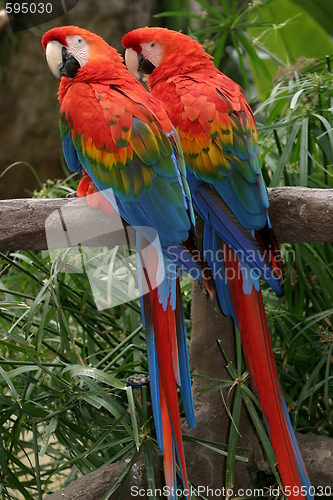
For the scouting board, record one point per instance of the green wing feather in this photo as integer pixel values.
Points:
(124, 146)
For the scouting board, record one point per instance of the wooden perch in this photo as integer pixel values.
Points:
(316, 450)
(302, 214)
(93, 486)
(297, 215)
(41, 224)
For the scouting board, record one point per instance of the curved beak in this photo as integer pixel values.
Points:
(135, 63)
(54, 57)
(132, 62)
(60, 62)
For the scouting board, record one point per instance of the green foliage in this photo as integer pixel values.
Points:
(296, 139)
(320, 10)
(297, 144)
(65, 407)
(301, 326)
(293, 24)
(64, 367)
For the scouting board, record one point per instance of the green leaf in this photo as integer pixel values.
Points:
(287, 151)
(327, 377)
(233, 438)
(121, 476)
(211, 445)
(292, 28)
(37, 467)
(41, 330)
(94, 373)
(211, 9)
(328, 127)
(212, 20)
(262, 435)
(27, 165)
(303, 160)
(149, 468)
(51, 428)
(130, 398)
(9, 383)
(295, 99)
(306, 387)
(320, 10)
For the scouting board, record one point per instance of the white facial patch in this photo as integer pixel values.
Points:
(153, 52)
(78, 48)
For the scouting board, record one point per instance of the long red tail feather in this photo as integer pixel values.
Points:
(168, 445)
(163, 332)
(166, 343)
(259, 357)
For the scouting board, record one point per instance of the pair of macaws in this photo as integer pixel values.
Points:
(127, 139)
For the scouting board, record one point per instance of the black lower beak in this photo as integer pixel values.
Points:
(145, 65)
(70, 65)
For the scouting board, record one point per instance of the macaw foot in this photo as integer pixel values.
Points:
(95, 199)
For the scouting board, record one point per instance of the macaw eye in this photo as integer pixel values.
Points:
(153, 44)
(80, 40)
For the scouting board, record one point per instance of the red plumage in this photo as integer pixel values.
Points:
(125, 141)
(219, 138)
(260, 362)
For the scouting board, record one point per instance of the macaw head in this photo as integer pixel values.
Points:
(74, 52)
(161, 51)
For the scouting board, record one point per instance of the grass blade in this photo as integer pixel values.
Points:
(130, 398)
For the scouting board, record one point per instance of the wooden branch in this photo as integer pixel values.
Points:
(302, 214)
(297, 215)
(94, 485)
(41, 224)
(317, 452)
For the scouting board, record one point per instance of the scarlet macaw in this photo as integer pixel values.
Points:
(219, 139)
(121, 136)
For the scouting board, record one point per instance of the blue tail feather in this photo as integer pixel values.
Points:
(153, 371)
(153, 368)
(212, 250)
(214, 211)
(185, 375)
(168, 292)
(305, 480)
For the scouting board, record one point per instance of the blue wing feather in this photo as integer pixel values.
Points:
(213, 210)
(185, 375)
(70, 154)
